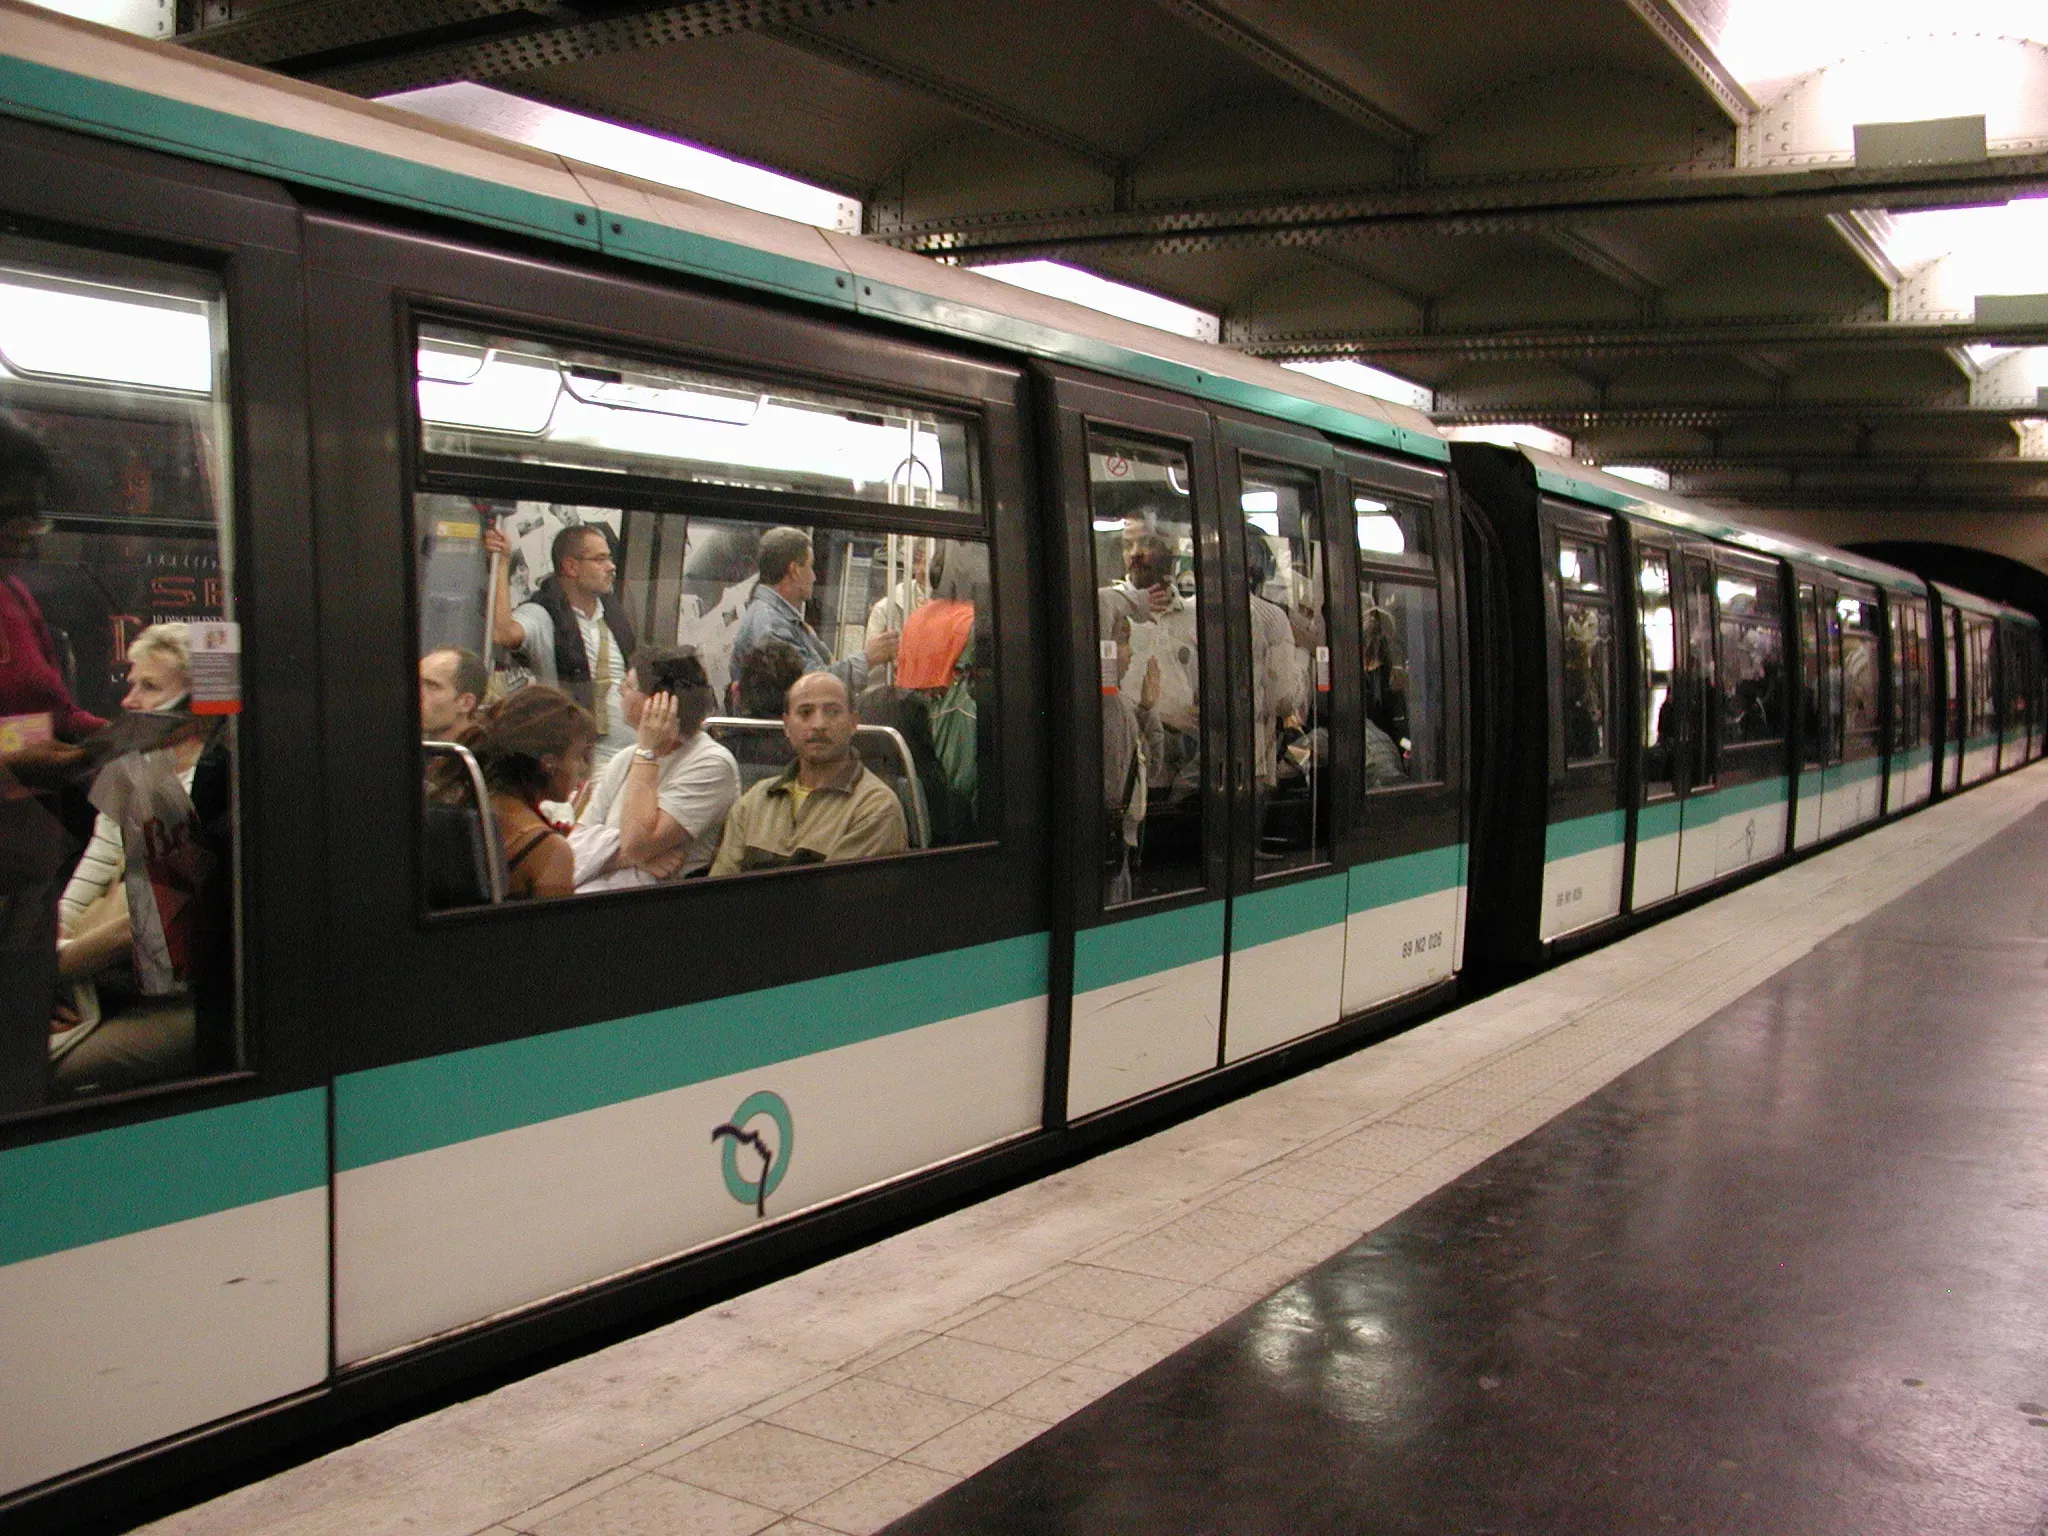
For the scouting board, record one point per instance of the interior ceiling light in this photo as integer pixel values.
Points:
(1515, 435)
(1059, 281)
(631, 152)
(1367, 380)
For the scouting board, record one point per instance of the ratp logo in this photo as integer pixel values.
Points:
(772, 1155)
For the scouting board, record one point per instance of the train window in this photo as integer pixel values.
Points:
(1813, 731)
(1982, 693)
(1147, 643)
(691, 695)
(1659, 634)
(504, 398)
(1857, 620)
(1285, 593)
(1752, 659)
(1588, 636)
(119, 690)
(1392, 533)
(1581, 565)
(1909, 674)
(1952, 668)
(1401, 634)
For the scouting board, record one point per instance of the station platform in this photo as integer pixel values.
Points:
(1733, 1226)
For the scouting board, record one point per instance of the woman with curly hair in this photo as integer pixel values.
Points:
(533, 746)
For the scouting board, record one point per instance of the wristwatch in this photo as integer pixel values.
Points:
(646, 756)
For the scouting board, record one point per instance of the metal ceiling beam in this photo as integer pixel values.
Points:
(1840, 463)
(986, 110)
(1213, 21)
(1495, 206)
(388, 50)
(1882, 499)
(1704, 416)
(1676, 33)
(1648, 340)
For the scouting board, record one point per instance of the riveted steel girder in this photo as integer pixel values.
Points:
(1571, 418)
(1650, 340)
(1493, 206)
(394, 45)
(1891, 464)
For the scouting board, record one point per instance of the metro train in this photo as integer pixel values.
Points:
(1224, 720)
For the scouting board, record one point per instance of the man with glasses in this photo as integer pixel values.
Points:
(573, 632)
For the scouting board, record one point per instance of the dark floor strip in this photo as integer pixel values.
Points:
(1790, 1275)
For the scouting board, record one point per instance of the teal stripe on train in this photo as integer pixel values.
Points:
(1733, 799)
(1281, 912)
(1562, 839)
(64, 1194)
(1659, 820)
(416, 1106)
(223, 138)
(1386, 881)
(1144, 946)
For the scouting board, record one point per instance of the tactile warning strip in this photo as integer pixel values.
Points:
(843, 1397)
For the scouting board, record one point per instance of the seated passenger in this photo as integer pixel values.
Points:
(667, 798)
(534, 745)
(452, 683)
(762, 680)
(775, 611)
(130, 920)
(825, 805)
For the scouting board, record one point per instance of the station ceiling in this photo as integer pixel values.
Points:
(1571, 213)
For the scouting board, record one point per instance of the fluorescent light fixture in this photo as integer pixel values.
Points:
(1364, 380)
(1108, 525)
(630, 151)
(1367, 504)
(1515, 435)
(1260, 501)
(105, 335)
(1642, 474)
(145, 18)
(1058, 281)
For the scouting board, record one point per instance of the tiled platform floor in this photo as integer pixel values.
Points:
(843, 1397)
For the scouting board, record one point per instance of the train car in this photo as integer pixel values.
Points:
(365, 485)
(1985, 646)
(1696, 700)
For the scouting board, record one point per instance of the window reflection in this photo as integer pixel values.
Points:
(1400, 641)
(1659, 637)
(1752, 659)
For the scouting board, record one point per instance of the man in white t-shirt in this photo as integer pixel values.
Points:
(573, 631)
(666, 798)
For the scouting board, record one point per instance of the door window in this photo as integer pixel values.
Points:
(1856, 615)
(1586, 634)
(1289, 683)
(1148, 655)
(1701, 688)
(1401, 641)
(119, 685)
(1812, 720)
(1752, 658)
(1659, 635)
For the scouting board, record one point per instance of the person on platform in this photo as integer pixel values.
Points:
(825, 806)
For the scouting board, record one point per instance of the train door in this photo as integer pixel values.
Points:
(1148, 893)
(1698, 845)
(1659, 784)
(1583, 845)
(1814, 676)
(2012, 697)
(1406, 846)
(1909, 779)
(1980, 699)
(1952, 711)
(1288, 893)
(1750, 710)
(1855, 772)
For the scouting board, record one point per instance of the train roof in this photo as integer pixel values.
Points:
(95, 80)
(1970, 602)
(1582, 482)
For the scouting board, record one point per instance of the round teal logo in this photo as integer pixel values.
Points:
(767, 1162)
